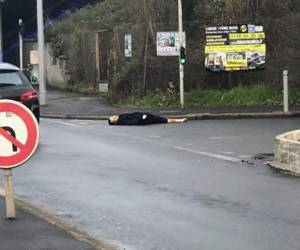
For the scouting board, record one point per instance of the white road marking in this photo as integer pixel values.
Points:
(73, 123)
(222, 137)
(211, 155)
(45, 142)
(153, 136)
(207, 154)
(246, 156)
(61, 122)
(82, 122)
(68, 124)
(227, 152)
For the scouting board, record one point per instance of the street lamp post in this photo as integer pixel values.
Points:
(181, 67)
(21, 43)
(1, 33)
(41, 48)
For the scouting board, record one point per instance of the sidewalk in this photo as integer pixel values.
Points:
(67, 105)
(31, 232)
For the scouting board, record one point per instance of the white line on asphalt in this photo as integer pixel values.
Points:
(246, 156)
(62, 123)
(82, 122)
(74, 123)
(68, 124)
(211, 155)
(45, 142)
(227, 152)
(207, 154)
(153, 136)
(222, 137)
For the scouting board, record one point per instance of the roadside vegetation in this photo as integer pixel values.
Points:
(143, 79)
(256, 95)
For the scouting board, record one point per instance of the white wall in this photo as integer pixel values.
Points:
(56, 70)
(56, 74)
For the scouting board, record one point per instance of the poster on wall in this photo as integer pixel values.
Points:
(128, 45)
(235, 47)
(168, 43)
(34, 57)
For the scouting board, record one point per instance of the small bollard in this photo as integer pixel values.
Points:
(285, 91)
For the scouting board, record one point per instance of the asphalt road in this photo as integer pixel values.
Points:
(174, 186)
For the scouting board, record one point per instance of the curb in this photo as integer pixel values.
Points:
(71, 229)
(196, 116)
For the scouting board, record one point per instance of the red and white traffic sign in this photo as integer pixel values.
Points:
(19, 134)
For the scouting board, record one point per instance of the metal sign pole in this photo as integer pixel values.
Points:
(9, 195)
(181, 67)
(41, 46)
(1, 33)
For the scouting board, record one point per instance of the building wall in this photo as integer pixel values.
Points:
(56, 74)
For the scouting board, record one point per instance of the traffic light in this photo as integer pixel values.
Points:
(182, 56)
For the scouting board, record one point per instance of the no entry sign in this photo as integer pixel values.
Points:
(19, 134)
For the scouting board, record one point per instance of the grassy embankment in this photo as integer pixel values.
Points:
(256, 95)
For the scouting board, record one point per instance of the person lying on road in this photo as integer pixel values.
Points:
(139, 118)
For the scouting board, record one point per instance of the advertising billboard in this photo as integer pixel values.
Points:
(235, 47)
(128, 45)
(168, 43)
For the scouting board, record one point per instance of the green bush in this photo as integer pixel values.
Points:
(256, 95)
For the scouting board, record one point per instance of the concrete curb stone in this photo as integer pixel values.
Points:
(74, 231)
(196, 116)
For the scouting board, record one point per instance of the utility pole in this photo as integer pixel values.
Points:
(41, 47)
(1, 32)
(181, 67)
(21, 43)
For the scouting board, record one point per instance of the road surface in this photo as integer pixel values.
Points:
(174, 186)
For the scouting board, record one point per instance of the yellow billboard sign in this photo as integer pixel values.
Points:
(236, 63)
(235, 47)
(239, 36)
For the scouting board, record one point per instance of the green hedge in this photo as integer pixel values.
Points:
(256, 95)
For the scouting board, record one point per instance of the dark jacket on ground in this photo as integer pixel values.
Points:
(139, 118)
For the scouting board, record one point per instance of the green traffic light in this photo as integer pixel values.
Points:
(182, 56)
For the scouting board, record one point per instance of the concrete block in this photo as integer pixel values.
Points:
(287, 152)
